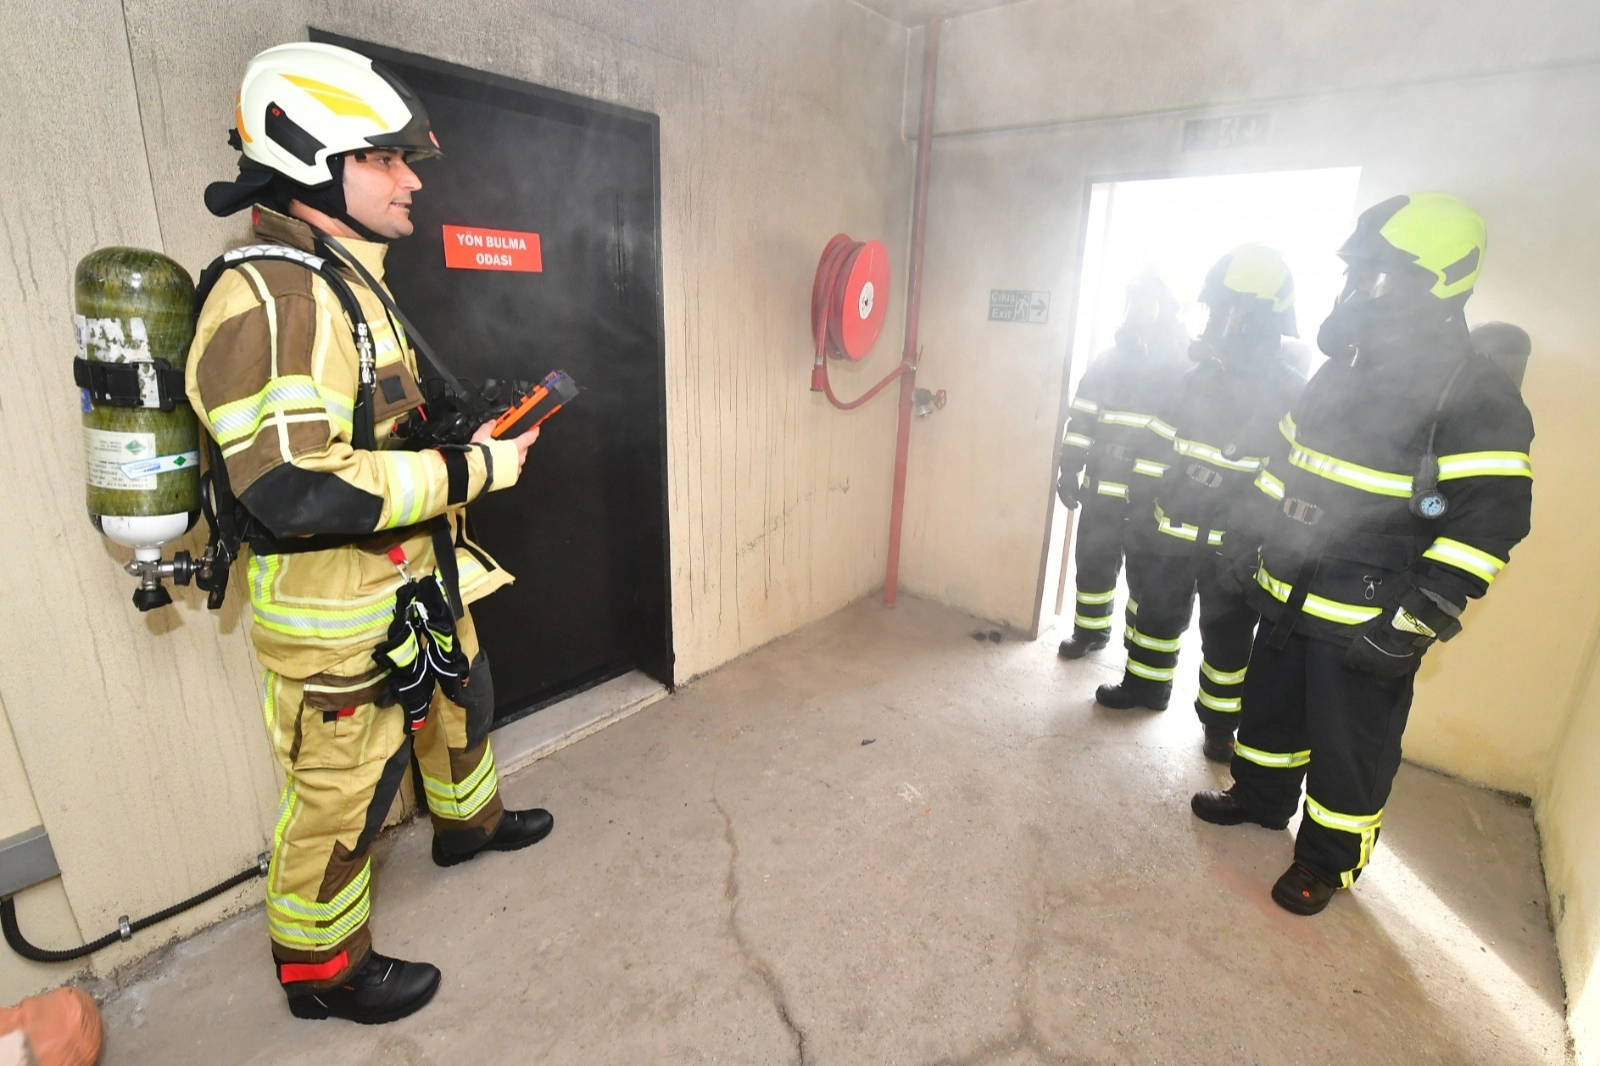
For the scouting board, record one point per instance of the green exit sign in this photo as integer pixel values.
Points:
(1018, 305)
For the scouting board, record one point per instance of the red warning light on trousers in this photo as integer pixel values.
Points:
(472, 248)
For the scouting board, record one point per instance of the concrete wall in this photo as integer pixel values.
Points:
(1569, 827)
(140, 735)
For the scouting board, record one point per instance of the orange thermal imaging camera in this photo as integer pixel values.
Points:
(543, 400)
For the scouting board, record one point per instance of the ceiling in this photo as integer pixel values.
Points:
(915, 12)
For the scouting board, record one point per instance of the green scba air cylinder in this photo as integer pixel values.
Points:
(135, 318)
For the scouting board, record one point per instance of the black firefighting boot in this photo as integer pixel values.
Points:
(1218, 746)
(1220, 808)
(1082, 642)
(1302, 892)
(1133, 692)
(517, 830)
(379, 990)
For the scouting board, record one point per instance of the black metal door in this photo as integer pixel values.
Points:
(585, 529)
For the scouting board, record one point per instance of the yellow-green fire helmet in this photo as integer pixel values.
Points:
(1431, 237)
(1256, 278)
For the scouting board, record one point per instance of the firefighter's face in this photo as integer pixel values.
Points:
(377, 191)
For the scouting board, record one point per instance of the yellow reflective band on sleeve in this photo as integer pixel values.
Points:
(1349, 614)
(1270, 484)
(460, 801)
(243, 418)
(1085, 622)
(1485, 464)
(1149, 468)
(1087, 406)
(1218, 703)
(1153, 643)
(1183, 530)
(1078, 440)
(1272, 760)
(1195, 449)
(1465, 557)
(1133, 607)
(1161, 429)
(1131, 419)
(1111, 488)
(1097, 597)
(1150, 673)
(1235, 677)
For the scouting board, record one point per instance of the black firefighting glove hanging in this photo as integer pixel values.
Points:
(1392, 644)
(404, 652)
(1067, 484)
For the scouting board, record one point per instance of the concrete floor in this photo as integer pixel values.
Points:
(1005, 874)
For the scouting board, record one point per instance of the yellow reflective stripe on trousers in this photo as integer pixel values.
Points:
(1317, 606)
(1365, 826)
(1354, 475)
(1111, 488)
(1150, 673)
(1162, 429)
(1223, 705)
(1183, 530)
(1272, 760)
(1078, 440)
(1153, 643)
(1485, 464)
(1233, 678)
(1149, 468)
(1097, 597)
(1465, 557)
(1088, 407)
(1347, 823)
(1083, 621)
(1194, 449)
(460, 801)
(1270, 484)
(293, 920)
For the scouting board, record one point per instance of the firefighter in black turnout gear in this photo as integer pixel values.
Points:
(1399, 486)
(1121, 391)
(1220, 424)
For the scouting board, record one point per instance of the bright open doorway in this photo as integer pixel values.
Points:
(1183, 225)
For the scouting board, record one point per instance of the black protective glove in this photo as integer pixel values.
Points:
(1067, 483)
(1391, 645)
(405, 653)
(1236, 566)
(445, 659)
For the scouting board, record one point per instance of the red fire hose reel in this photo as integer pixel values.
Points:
(849, 301)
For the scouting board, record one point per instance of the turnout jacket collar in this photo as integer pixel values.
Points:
(271, 227)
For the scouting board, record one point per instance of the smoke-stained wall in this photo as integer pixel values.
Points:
(1569, 826)
(141, 735)
(1497, 104)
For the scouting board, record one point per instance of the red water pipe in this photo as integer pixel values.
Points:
(908, 359)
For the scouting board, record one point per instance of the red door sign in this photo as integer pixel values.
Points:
(472, 248)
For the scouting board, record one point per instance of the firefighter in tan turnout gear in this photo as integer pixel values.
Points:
(1398, 487)
(301, 389)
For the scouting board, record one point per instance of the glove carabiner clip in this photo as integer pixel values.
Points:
(397, 556)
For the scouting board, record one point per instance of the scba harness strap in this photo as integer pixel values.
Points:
(232, 525)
